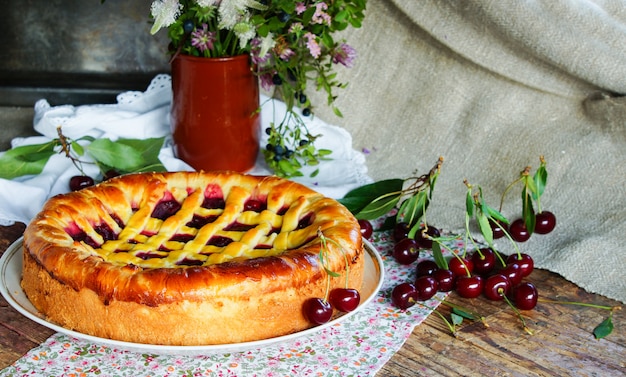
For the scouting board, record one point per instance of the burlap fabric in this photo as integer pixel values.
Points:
(491, 86)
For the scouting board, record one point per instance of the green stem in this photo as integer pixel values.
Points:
(450, 326)
(611, 308)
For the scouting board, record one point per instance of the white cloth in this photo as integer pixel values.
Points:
(143, 115)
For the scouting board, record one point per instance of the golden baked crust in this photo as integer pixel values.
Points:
(187, 258)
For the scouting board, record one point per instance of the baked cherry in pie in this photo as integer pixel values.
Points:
(187, 258)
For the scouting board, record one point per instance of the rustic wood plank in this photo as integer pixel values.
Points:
(562, 344)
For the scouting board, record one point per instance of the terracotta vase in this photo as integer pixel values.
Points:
(214, 116)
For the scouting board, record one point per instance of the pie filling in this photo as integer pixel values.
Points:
(210, 233)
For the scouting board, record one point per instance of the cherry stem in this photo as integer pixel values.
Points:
(524, 173)
(611, 308)
(474, 314)
(519, 315)
(451, 327)
(66, 149)
(508, 235)
(324, 245)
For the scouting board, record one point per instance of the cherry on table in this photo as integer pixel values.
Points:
(406, 251)
(525, 296)
(518, 231)
(79, 182)
(496, 287)
(498, 228)
(445, 280)
(366, 228)
(461, 266)
(344, 299)
(545, 222)
(484, 261)
(469, 286)
(400, 231)
(317, 310)
(524, 261)
(404, 295)
(426, 267)
(513, 272)
(424, 241)
(426, 287)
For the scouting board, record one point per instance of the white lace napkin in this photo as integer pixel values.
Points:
(143, 115)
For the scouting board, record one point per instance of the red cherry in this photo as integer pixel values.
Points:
(524, 261)
(423, 241)
(518, 231)
(445, 280)
(426, 268)
(426, 287)
(498, 228)
(400, 231)
(461, 266)
(317, 310)
(525, 296)
(254, 205)
(406, 251)
(78, 182)
(513, 272)
(110, 174)
(496, 287)
(366, 228)
(404, 295)
(344, 299)
(545, 222)
(484, 261)
(469, 286)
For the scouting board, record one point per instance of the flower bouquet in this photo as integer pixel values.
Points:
(292, 44)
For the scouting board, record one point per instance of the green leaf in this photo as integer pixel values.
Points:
(116, 155)
(25, 160)
(485, 228)
(379, 207)
(456, 319)
(540, 178)
(464, 314)
(143, 154)
(438, 256)
(603, 329)
(496, 215)
(469, 204)
(357, 199)
(413, 208)
(77, 148)
(528, 212)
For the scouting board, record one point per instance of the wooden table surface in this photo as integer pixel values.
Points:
(562, 344)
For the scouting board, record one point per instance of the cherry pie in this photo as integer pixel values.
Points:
(187, 258)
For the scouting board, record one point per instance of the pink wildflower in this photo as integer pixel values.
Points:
(344, 54)
(255, 45)
(312, 45)
(266, 80)
(321, 17)
(282, 49)
(300, 8)
(203, 39)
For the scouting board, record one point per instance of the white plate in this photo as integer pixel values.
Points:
(11, 274)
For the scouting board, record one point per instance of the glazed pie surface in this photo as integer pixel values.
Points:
(187, 258)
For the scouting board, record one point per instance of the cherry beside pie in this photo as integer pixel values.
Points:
(187, 258)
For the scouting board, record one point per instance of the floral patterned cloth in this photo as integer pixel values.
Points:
(357, 346)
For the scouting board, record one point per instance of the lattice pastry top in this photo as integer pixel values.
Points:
(134, 226)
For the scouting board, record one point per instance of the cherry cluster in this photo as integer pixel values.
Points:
(320, 310)
(482, 272)
(545, 222)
